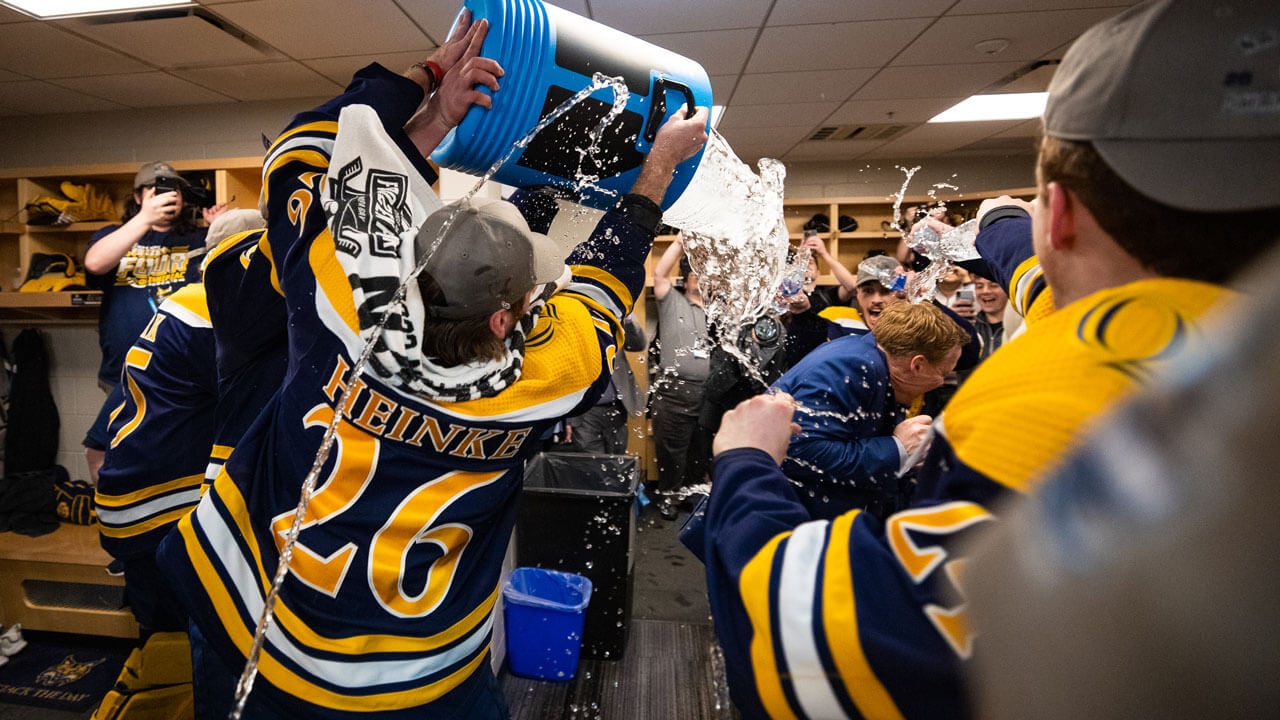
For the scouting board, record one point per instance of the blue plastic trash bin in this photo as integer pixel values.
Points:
(544, 611)
(549, 54)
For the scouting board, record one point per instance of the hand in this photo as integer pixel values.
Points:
(798, 303)
(457, 91)
(679, 138)
(1003, 201)
(159, 209)
(913, 432)
(933, 224)
(567, 439)
(212, 213)
(762, 422)
(815, 243)
(965, 309)
(447, 55)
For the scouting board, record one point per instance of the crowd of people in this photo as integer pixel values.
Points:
(853, 466)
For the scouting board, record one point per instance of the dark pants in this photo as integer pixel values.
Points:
(602, 429)
(683, 446)
(150, 596)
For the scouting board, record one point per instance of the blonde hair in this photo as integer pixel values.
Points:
(906, 329)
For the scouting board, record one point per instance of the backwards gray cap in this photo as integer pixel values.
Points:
(1181, 98)
(879, 268)
(488, 257)
(150, 171)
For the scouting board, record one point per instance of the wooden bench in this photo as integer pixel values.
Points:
(58, 582)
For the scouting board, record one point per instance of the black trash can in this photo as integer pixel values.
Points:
(578, 515)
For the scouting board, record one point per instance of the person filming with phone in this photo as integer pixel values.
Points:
(136, 265)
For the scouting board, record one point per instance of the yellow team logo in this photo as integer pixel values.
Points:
(1134, 333)
(67, 671)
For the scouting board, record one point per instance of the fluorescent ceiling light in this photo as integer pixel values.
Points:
(717, 112)
(1009, 106)
(64, 8)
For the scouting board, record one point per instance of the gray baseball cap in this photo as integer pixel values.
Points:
(1181, 98)
(150, 171)
(487, 257)
(878, 268)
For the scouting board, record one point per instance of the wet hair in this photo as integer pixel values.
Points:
(457, 342)
(1169, 241)
(906, 329)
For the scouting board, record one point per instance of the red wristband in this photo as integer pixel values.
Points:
(437, 74)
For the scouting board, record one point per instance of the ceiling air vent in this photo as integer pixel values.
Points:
(858, 132)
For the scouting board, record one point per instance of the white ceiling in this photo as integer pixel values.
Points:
(784, 68)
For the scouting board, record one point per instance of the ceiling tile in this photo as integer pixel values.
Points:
(12, 16)
(435, 17)
(723, 87)
(800, 87)
(832, 150)
(149, 89)
(807, 12)
(930, 81)
(188, 41)
(42, 50)
(6, 76)
(1027, 128)
(266, 81)
(340, 69)
(719, 52)
(737, 116)
(978, 7)
(995, 145)
(323, 28)
(940, 138)
(1037, 80)
(653, 17)
(902, 110)
(41, 98)
(1030, 35)
(776, 135)
(832, 46)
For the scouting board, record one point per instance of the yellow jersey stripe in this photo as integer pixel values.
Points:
(840, 620)
(115, 501)
(755, 587)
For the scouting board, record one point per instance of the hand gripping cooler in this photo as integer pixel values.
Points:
(549, 55)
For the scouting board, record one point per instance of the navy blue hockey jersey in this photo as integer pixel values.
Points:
(388, 603)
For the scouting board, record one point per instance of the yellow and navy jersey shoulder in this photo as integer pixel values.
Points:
(855, 617)
(250, 327)
(835, 618)
(394, 575)
(160, 436)
(845, 316)
(1027, 404)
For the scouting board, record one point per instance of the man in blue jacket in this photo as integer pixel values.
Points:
(854, 393)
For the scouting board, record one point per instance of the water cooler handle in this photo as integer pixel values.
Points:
(658, 108)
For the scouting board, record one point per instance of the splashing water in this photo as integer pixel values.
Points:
(944, 250)
(736, 239)
(396, 305)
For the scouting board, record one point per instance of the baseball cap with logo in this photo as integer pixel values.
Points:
(879, 268)
(150, 171)
(1176, 92)
(488, 258)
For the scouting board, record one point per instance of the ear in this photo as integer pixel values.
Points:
(1063, 210)
(917, 363)
(500, 323)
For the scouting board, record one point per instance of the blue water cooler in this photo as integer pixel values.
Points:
(549, 55)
